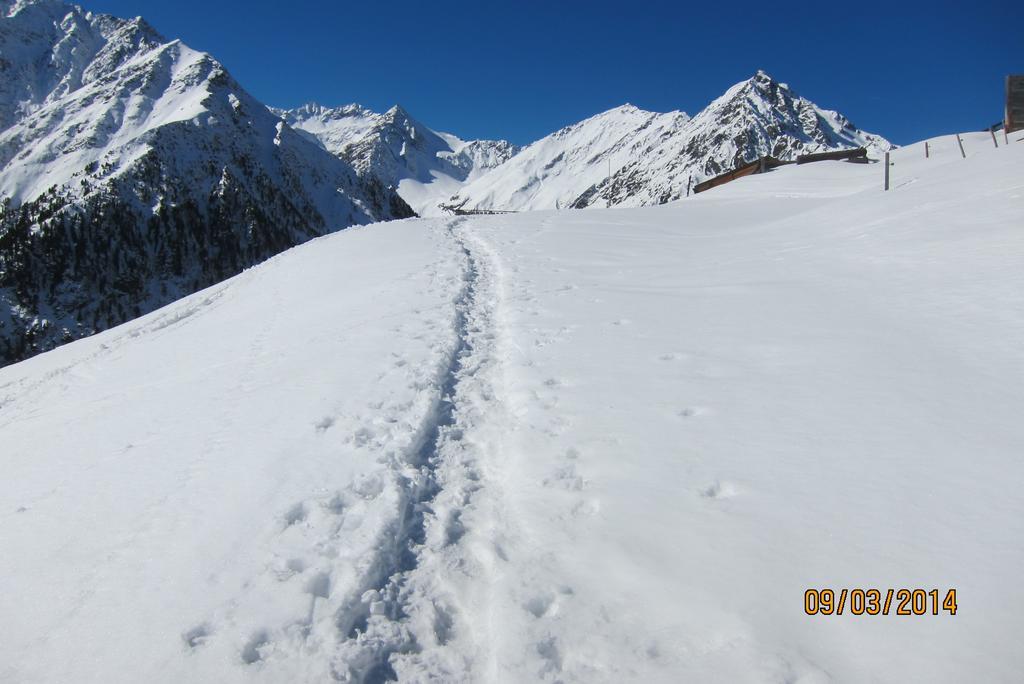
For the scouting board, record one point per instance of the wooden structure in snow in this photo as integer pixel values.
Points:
(1014, 119)
(757, 166)
(457, 210)
(859, 154)
(856, 155)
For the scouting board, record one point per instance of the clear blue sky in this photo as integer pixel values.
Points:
(519, 70)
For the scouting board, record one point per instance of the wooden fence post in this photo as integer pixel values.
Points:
(994, 138)
(961, 144)
(886, 171)
(688, 184)
(925, 149)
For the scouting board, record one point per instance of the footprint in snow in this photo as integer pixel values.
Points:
(443, 624)
(253, 651)
(547, 604)
(720, 489)
(336, 504)
(548, 650)
(540, 606)
(587, 509)
(692, 411)
(319, 585)
(567, 478)
(197, 636)
(454, 530)
(295, 514)
(362, 436)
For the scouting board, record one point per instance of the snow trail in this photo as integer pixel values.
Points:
(408, 611)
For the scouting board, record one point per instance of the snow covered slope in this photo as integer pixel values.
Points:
(596, 446)
(138, 170)
(555, 171)
(652, 158)
(426, 167)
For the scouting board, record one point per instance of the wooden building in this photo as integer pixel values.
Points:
(757, 166)
(1014, 119)
(859, 154)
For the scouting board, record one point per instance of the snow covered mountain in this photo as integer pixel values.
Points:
(630, 157)
(754, 118)
(427, 167)
(134, 170)
(557, 170)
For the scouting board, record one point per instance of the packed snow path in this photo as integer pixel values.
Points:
(562, 446)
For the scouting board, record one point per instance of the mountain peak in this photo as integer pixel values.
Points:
(761, 86)
(316, 110)
(627, 108)
(764, 81)
(144, 26)
(398, 113)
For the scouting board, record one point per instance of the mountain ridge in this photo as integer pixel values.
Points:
(624, 156)
(660, 156)
(137, 170)
(423, 164)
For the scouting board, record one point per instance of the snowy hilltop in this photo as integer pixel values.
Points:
(579, 447)
(135, 170)
(425, 166)
(630, 157)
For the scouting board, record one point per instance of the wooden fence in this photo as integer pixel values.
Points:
(458, 210)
